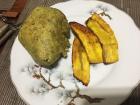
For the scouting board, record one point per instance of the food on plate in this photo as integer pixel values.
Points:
(44, 34)
(106, 37)
(106, 26)
(89, 41)
(80, 62)
(95, 43)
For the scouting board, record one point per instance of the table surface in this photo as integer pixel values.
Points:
(8, 94)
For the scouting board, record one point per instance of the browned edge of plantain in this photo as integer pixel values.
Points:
(89, 41)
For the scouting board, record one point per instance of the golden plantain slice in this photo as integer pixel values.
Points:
(111, 53)
(106, 37)
(105, 26)
(80, 63)
(89, 41)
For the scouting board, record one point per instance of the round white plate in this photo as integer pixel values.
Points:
(109, 84)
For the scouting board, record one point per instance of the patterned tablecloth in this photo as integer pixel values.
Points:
(8, 94)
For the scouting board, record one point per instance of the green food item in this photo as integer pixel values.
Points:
(44, 34)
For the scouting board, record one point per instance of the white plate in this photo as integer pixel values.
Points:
(112, 82)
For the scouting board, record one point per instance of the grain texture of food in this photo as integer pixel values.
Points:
(44, 34)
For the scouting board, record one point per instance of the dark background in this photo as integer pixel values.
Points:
(8, 94)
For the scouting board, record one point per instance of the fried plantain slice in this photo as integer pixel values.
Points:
(106, 37)
(104, 25)
(111, 53)
(80, 62)
(89, 41)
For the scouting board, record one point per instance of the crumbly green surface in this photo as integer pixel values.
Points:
(45, 34)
